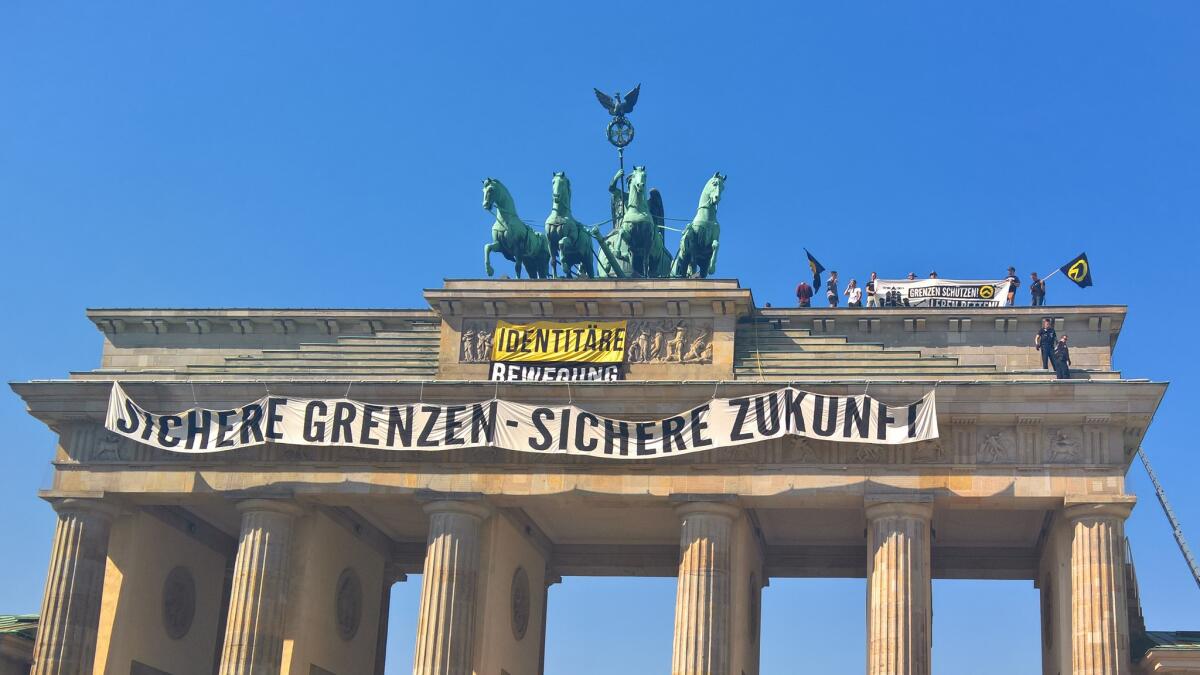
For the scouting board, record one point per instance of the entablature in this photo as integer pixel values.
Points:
(1067, 425)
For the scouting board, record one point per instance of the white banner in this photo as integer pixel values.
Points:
(941, 293)
(552, 429)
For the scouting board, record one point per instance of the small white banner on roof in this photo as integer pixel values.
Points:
(941, 293)
(547, 429)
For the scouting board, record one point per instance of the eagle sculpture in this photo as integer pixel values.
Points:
(614, 105)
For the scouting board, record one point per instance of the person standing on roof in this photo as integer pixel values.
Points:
(804, 293)
(1037, 290)
(1044, 341)
(853, 294)
(1014, 283)
(1062, 359)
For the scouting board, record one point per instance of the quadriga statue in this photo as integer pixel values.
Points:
(569, 240)
(515, 240)
(637, 240)
(698, 248)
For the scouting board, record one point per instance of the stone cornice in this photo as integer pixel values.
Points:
(597, 297)
(64, 401)
(155, 321)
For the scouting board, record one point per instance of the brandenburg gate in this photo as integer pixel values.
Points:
(238, 489)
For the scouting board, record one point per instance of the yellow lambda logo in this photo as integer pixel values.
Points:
(1078, 271)
(986, 292)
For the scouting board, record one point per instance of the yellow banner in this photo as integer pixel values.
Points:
(560, 342)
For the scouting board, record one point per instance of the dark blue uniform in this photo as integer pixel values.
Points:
(1062, 361)
(1046, 341)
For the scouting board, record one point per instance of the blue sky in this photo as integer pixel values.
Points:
(315, 154)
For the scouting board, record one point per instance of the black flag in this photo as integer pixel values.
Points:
(816, 268)
(1078, 270)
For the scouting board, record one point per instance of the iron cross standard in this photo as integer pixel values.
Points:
(620, 129)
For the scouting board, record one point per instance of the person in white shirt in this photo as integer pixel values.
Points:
(853, 294)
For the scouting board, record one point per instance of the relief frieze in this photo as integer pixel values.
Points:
(983, 445)
(999, 446)
(669, 341)
(475, 341)
(1064, 445)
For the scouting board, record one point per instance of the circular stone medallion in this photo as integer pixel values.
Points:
(520, 603)
(347, 610)
(178, 602)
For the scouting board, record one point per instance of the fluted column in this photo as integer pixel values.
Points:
(1099, 618)
(899, 595)
(66, 637)
(703, 597)
(446, 626)
(391, 576)
(258, 595)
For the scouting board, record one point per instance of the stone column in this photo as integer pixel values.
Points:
(1099, 619)
(446, 626)
(391, 576)
(258, 594)
(899, 595)
(66, 637)
(550, 579)
(703, 598)
(223, 616)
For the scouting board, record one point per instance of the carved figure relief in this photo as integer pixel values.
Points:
(178, 602)
(520, 603)
(1064, 446)
(109, 447)
(867, 453)
(930, 452)
(476, 342)
(669, 341)
(94, 443)
(348, 604)
(806, 452)
(998, 447)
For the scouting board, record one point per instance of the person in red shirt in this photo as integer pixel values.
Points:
(804, 294)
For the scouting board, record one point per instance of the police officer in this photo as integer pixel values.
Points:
(1045, 341)
(1062, 359)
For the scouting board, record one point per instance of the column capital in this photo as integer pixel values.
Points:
(287, 508)
(724, 509)
(392, 574)
(90, 505)
(1078, 508)
(920, 507)
(479, 509)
